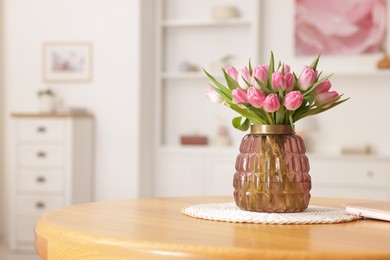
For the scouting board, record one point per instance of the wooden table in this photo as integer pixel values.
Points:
(156, 229)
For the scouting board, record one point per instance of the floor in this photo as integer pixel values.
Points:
(7, 254)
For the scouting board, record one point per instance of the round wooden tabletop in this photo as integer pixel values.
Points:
(156, 229)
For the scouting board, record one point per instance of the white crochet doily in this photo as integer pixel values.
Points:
(229, 212)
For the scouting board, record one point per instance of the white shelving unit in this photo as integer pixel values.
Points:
(187, 32)
(205, 23)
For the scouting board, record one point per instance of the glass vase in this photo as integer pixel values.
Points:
(272, 171)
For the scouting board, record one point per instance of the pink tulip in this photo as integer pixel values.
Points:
(278, 82)
(261, 73)
(239, 96)
(232, 72)
(212, 95)
(323, 87)
(286, 69)
(325, 97)
(289, 79)
(293, 100)
(271, 103)
(244, 74)
(307, 78)
(255, 97)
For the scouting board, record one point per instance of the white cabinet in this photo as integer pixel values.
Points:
(209, 172)
(187, 33)
(52, 168)
(361, 177)
(195, 172)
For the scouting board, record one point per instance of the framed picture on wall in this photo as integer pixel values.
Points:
(353, 37)
(340, 28)
(67, 62)
(346, 34)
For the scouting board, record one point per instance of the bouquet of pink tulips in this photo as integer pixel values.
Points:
(264, 95)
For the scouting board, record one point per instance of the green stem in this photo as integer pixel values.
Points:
(273, 119)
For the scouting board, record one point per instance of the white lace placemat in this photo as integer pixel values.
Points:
(229, 212)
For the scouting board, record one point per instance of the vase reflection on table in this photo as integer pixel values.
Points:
(272, 170)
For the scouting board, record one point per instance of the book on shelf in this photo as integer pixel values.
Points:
(376, 209)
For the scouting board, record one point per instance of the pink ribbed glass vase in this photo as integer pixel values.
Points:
(272, 171)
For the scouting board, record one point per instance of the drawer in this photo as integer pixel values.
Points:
(25, 230)
(36, 205)
(41, 130)
(41, 180)
(364, 173)
(41, 155)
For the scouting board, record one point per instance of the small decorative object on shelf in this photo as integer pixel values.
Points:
(384, 63)
(186, 66)
(46, 100)
(272, 170)
(225, 12)
(193, 140)
(222, 138)
(362, 149)
(222, 62)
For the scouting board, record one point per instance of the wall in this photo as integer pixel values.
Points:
(146, 122)
(2, 177)
(113, 27)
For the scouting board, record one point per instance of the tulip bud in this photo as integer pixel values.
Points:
(289, 79)
(255, 97)
(239, 96)
(325, 97)
(260, 73)
(307, 78)
(244, 74)
(213, 96)
(293, 100)
(232, 72)
(271, 103)
(323, 87)
(278, 82)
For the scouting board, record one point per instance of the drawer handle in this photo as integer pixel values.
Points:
(41, 179)
(370, 174)
(41, 154)
(41, 129)
(40, 205)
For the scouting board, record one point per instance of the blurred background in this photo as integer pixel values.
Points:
(138, 73)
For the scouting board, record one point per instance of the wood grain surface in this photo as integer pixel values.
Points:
(156, 229)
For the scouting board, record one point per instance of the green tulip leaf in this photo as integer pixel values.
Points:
(280, 115)
(250, 67)
(238, 124)
(232, 84)
(315, 62)
(271, 68)
(227, 92)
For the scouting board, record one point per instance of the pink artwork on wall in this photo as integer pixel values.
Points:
(334, 27)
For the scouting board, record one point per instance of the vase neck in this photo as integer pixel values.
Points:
(272, 129)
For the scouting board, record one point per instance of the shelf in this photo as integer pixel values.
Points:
(201, 149)
(340, 156)
(204, 23)
(187, 75)
(209, 149)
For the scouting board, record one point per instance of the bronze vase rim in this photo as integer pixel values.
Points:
(273, 129)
